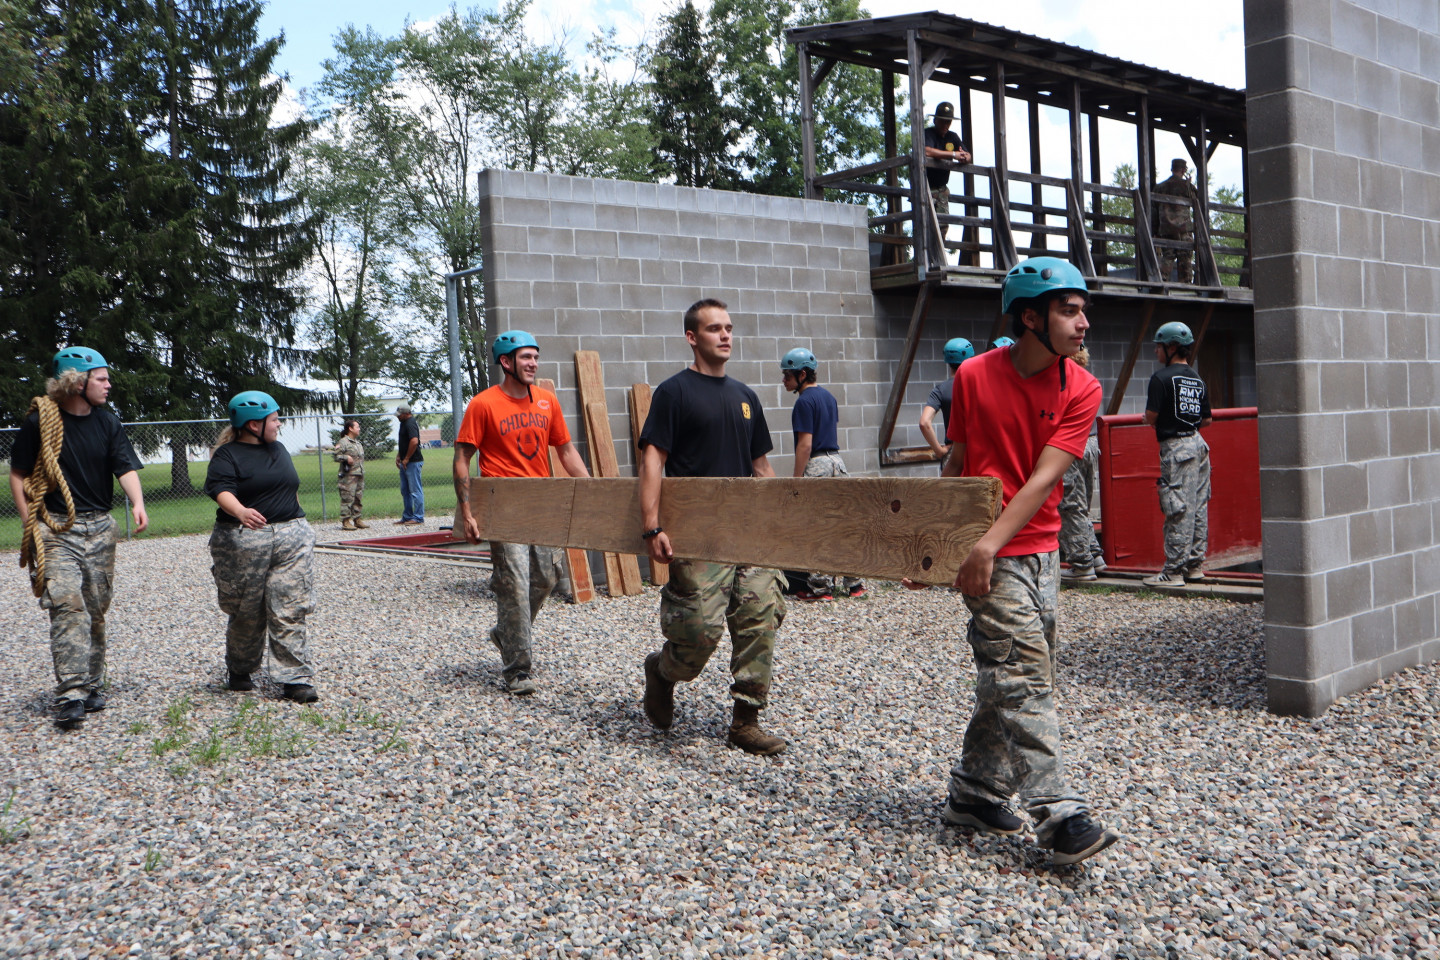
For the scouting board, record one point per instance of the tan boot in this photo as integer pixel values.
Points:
(746, 734)
(347, 525)
(659, 695)
(361, 524)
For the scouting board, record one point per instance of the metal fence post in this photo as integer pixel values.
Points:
(320, 458)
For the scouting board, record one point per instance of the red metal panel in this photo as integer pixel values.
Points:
(1131, 532)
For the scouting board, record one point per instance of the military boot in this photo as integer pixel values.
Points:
(659, 695)
(746, 734)
(347, 524)
(361, 524)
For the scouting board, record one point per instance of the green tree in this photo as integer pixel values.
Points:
(760, 80)
(694, 131)
(1232, 224)
(222, 312)
(78, 244)
(1120, 211)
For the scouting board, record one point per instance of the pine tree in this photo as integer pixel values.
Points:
(223, 311)
(693, 129)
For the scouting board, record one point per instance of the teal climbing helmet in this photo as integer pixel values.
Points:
(510, 341)
(1038, 276)
(76, 358)
(1001, 342)
(799, 359)
(251, 405)
(1174, 334)
(957, 351)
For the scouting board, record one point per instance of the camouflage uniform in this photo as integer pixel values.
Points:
(1012, 744)
(266, 584)
(79, 575)
(828, 465)
(1184, 488)
(352, 481)
(522, 576)
(1173, 222)
(699, 599)
(1078, 544)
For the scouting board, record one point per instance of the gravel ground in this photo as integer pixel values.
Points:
(421, 812)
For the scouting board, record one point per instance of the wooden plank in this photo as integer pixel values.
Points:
(923, 298)
(639, 412)
(597, 421)
(577, 562)
(590, 384)
(887, 528)
(1137, 343)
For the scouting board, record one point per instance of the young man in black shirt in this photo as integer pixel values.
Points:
(409, 460)
(79, 560)
(942, 144)
(1179, 407)
(705, 424)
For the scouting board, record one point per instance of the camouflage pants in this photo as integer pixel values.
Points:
(1012, 744)
(828, 465)
(265, 580)
(695, 607)
(940, 197)
(1184, 488)
(79, 575)
(352, 488)
(522, 578)
(1077, 533)
(1179, 260)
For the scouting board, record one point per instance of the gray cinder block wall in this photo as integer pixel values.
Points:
(611, 266)
(1344, 107)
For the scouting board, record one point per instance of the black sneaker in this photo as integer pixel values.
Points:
(94, 701)
(858, 591)
(240, 683)
(70, 714)
(1079, 837)
(299, 692)
(989, 817)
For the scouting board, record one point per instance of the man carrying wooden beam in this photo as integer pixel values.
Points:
(1022, 414)
(513, 425)
(705, 424)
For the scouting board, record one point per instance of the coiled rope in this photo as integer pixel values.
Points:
(42, 480)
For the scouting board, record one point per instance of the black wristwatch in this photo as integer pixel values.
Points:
(648, 534)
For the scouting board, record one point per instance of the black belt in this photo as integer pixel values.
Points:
(1180, 436)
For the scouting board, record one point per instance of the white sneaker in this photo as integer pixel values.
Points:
(1076, 574)
(1163, 580)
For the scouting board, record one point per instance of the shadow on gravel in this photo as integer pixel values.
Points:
(1211, 656)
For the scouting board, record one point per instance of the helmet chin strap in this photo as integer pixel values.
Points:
(529, 392)
(1042, 333)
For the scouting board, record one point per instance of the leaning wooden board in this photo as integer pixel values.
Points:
(639, 403)
(577, 563)
(915, 527)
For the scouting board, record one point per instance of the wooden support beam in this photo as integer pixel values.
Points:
(919, 186)
(1123, 380)
(923, 298)
(916, 527)
(577, 562)
(1037, 190)
(590, 383)
(807, 122)
(639, 413)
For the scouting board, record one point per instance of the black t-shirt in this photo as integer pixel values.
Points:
(949, 140)
(939, 399)
(709, 426)
(1178, 397)
(95, 451)
(410, 430)
(262, 477)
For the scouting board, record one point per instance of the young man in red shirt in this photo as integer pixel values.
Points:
(1022, 414)
(513, 425)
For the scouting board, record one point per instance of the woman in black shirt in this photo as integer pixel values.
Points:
(263, 550)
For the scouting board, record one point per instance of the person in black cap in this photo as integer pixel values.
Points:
(942, 144)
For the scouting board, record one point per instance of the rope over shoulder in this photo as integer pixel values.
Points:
(42, 480)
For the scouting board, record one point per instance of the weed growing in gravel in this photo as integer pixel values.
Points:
(174, 740)
(11, 829)
(212, 751)
(138, 727)
(177, 714)
(1096, 590)
(262, 734)
(394, 742)
(153, 859)
(371, 719)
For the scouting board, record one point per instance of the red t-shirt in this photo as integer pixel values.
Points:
(514, 437)
(1005, 421)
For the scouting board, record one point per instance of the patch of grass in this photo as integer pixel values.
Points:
(153, 859)
(213, 750)
(12, 829)
(174, 740)
(1096, 589)
(394, 742)
(371, 719)
(177, 715)
(138, 727)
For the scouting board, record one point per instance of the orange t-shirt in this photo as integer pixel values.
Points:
(514, 437)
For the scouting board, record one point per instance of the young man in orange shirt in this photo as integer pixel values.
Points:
(513, 425)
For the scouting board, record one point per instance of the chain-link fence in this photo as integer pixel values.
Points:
(176, 455)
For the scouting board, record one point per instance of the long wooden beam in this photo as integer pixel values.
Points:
(1128, 370)
(916, 527)
(923, 298)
